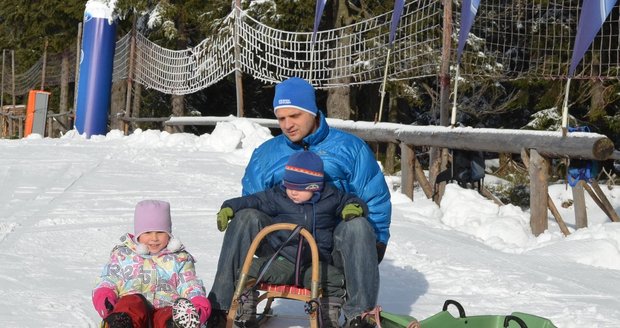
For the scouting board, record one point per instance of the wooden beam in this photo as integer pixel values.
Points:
(422, 180)
(554, 210)
(538, 169)
(579, 203)
(584, 145)
(606, 204)
(557, 216)
(488, 194)
(407, 169)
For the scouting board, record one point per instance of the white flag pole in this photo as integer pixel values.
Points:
(565, 109)
(387, 64)
(456, 87)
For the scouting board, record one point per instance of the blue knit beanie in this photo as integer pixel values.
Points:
(304, 171)
(296, 93)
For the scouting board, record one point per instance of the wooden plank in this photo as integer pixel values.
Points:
(585, 145)
(407, 167)
(610, 209)
(579, 203)
(557, 216)
(486, 193)
(595, 198)
(422, 180)
(554, 211)
(538, 169)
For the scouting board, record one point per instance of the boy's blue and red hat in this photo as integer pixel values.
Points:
(304, 171)
(297, 93)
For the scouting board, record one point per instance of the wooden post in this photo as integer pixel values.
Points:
(44, 65)
(538, 192)
(50, 121)
(606, 204)
(554, 210)
(422, 180)
(557, 216)
(579, 203)
(407, 167)
(2, 81)
(486, 193)
(21, 127)
(78, 45)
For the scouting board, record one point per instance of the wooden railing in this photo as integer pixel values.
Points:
(536, 147)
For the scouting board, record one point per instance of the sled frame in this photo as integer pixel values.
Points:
(272, 291)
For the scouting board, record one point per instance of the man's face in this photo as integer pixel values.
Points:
(296, 124)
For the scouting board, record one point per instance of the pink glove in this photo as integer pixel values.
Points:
(101, 296)
(203, 307)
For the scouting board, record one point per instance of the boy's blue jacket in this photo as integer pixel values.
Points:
(320, 216)
(349, 165)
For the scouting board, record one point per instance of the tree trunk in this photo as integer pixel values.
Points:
(390, 152)
(338, 99)
(63, 106)
(597, 93)
(178, 109)
(136, 105)
(117, 105)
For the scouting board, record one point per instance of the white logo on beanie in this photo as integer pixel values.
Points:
(284, 102)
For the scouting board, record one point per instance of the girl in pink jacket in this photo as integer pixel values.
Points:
(150, 279)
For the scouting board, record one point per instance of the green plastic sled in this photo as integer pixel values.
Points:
(444, 319)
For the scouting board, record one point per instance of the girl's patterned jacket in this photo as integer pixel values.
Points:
(161, 278)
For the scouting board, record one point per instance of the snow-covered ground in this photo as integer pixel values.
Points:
(65, 202)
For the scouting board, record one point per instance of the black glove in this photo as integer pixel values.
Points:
(380, 251)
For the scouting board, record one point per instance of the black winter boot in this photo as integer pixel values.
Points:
(358, 322)
(217, 319)
(118, 320)
(246, 312)
(330, 312)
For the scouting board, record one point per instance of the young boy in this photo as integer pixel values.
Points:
(150, 280)
(305, 200)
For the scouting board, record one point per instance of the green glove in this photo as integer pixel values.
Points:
(351, 211)
(223, 216)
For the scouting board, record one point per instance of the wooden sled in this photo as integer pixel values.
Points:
(269, 292)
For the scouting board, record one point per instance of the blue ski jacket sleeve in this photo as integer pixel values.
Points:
(349, 165)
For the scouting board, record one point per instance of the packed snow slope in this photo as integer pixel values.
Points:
(65, 202)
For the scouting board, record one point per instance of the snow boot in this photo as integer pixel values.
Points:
(217, 319)
(184, 314)
(358, 322)
(330, 311)
(246, 312)
(118, 320)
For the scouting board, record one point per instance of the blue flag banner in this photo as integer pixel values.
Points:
(469, 8)
(593, 15)
(398, 11)
(318, 12)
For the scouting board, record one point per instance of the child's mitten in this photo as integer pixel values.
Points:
(223, 216)
(104, 300)
(203, 307)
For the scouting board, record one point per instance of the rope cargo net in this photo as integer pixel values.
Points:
(518, 39)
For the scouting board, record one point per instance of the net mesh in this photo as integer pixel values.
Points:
(509, 40)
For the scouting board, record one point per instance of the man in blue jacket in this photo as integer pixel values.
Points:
(349, 164)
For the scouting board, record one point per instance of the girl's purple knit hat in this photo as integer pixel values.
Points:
(304, 171)
(152, 215)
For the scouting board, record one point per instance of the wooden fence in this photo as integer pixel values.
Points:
(535, 147)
